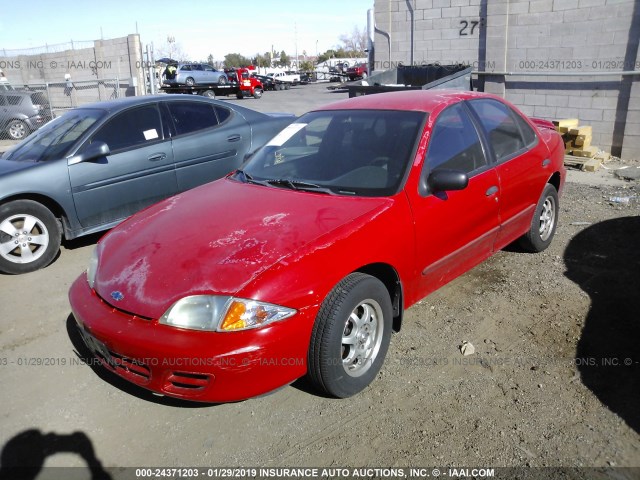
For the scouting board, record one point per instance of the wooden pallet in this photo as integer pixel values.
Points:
(585, 164)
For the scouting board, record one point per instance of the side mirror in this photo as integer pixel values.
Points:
(444, 180)
(93, 151)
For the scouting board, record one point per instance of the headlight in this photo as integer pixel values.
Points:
(93, 267)
(222, 314)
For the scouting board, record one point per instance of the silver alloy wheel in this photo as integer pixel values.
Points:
(362, 337)
(547, 218)
(17, 130)
(23, 238)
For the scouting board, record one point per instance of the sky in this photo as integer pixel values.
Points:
(200, 27)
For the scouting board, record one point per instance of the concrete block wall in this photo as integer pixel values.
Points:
(542, 36)
(108, 59)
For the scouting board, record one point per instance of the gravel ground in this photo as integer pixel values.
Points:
(548, 384)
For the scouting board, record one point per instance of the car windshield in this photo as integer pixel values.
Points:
(344, 152)
(55, 139)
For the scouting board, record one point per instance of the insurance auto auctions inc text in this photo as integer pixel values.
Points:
(371, 472)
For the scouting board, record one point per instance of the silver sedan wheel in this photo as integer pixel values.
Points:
(362, 337)
(17, 130)
(547, 218)
(23, 238)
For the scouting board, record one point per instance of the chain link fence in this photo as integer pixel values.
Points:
(24, 109)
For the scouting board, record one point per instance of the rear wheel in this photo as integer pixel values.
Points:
(29, 237)
(544, 222)
(209, 94)
(190, 82)
(17, 129)
(350, 336)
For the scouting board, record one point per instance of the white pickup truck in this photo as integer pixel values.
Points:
(289, 77)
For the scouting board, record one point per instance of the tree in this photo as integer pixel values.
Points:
(306, 66)
(210, 60)
(171, 49)
(235, 60)
(285, 60)
(263, 60)
(355, 43)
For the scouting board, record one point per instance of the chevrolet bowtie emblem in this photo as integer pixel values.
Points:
(117, 295)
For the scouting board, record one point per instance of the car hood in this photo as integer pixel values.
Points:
(214, 239)
(8, 166)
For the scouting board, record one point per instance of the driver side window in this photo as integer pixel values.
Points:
(130, 129)
(455, 143)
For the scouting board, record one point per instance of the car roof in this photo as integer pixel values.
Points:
(126, 102)
(411, 100)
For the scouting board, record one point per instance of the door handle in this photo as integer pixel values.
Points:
(157, 156)
(546, 162)
(233, 138)
(491, 191)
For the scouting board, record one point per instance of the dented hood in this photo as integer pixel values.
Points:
(214, 239)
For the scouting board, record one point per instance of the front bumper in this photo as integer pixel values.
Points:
(188, 364)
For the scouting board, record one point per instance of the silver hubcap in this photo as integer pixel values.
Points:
(23, 238)
(547, 218)
(17, 130)
(362, 337)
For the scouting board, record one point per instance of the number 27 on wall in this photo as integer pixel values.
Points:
(469, 26)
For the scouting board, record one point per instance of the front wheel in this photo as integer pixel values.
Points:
(544, 222)
(29, 237)
(222, 80)
(351, 336)
(190, 82)
(17, 129)
(257, 93)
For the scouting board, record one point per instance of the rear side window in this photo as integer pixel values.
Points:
(130, 129)
(3, 100)
(223, 113)
(14, 100)
(189, 117)
(500, 125)
(455, 143)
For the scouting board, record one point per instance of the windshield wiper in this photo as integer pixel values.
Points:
(299, 185)
(244, 177)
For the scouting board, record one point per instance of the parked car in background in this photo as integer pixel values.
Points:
(268, 83)
(303, 261)
(96, 165)
(357, 71)
(22, 112)
(191, 74)
(286, 77)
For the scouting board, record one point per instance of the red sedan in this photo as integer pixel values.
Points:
(304, 261)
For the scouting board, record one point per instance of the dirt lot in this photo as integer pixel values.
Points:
(554, 380)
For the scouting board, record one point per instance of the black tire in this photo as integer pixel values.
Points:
(257, 93)
(544, 222)
(189, 82)
(34, 249)
(209, 94)
(222, 80)
(335, 366)
(239, 95)
(287, 86)
(17, 129)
